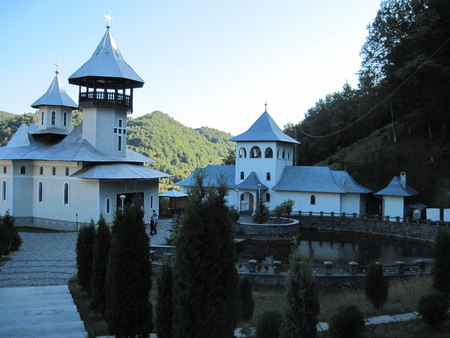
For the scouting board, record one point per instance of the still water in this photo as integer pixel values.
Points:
(339, 248)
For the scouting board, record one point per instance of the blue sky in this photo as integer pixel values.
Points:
(204, 63)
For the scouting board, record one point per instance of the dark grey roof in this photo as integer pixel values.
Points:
(107, 61)
(264, 129)
(347, 182)
(418, 206)
(212, 172)
(55, 96)
(114, 171)
(310, 179)
(73, 147)
(397, 188)
(252, 182)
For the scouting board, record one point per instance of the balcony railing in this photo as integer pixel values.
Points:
(101, 99)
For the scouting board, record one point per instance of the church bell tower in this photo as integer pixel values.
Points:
(106, 84)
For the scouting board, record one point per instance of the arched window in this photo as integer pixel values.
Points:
(53, 118)
(268, 176)
(67, 171)
(54, 171)
(40, 192)
(4, 169)
(268, 153)
(242, 175)
(42, 118)
(65, 119)
(4, 191)
(23, 170)
(151, 201)
(41, 171)
(313, 200)
(267, 197)
(255, 152)
(242, 153)
(108, 205)
(66, 193)
(282, 154)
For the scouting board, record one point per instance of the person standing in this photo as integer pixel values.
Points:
(152, 225)
(155, 221)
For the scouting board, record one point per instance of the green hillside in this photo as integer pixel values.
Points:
(177, 149)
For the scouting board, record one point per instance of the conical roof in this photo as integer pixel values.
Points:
(107, 62)
(55, 96)
(264, 129)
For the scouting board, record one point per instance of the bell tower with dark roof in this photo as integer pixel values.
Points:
(106, 84)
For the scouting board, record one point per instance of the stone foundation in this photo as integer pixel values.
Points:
(46, 223)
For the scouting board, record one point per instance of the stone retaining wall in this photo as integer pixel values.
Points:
(412, 231)
(46, 223)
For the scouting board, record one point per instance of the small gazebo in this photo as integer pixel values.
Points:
(177, 201)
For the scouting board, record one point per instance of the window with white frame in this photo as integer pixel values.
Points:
(4, 191)
(40, 192)
(108, 205)
(66, 193)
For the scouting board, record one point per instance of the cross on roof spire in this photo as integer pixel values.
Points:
(265, 110)
(108, 18)
(57, 64)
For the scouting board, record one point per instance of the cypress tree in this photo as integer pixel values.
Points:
(246, 297)
(206, 281)
(100, 265)
(128, 310)
(302, 307)
(441, 267)
(85, 255)
(262, 213)
(164, 308)
(377, 285)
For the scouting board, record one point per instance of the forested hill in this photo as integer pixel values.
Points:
(177, 149)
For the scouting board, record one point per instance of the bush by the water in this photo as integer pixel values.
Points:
(268, 324)
(433, 307)
(377, 285)
(346, 322)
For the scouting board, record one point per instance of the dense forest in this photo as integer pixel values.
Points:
(177, 149)
(398, 117)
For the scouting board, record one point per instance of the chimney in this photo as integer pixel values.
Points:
(403, 179)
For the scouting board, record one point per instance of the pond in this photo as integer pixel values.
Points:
(339, 248)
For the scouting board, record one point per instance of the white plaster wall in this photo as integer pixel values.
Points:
(433, 214)
(59, 117)
(393, 206)
(6, 204)
(324, 202)
(447, 215)
(351, 203)
(21, 189)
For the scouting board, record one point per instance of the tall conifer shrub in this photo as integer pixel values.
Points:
(377, 285)
(100, 265)
(85, 255)
(164, 308)
(302, 297)
(441, 267)
(206, 282)
(128, 310)
(248, 303)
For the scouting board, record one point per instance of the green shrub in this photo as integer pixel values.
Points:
(268, 324)
(248, 303)
(346, 322)
(9, 236)
(164, 305)
(262, 213)
(377, 285)
(441, 267)
(433, 307)
(85, 255)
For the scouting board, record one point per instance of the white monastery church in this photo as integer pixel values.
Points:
(265, 165)
(56, 177)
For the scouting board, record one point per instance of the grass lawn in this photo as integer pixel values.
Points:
(403, 297)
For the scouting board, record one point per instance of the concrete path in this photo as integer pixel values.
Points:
(45, 311)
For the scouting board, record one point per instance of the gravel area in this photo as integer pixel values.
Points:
(49, 258)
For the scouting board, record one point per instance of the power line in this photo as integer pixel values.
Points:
(379, 103)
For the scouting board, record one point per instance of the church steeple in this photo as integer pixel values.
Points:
(106, 84)
(55, 110)
(108, 79)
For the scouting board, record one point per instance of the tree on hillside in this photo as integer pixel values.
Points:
(128, 310)
(230, 159)
(85, 255)
(302, 297)
(206, 282)
(100, 265)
